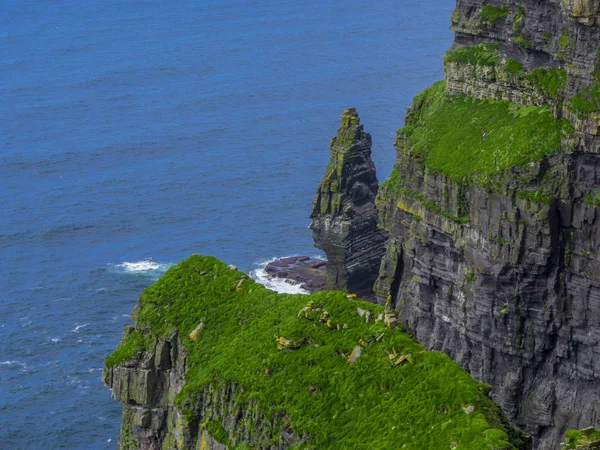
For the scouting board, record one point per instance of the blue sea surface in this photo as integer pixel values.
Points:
(135, 132)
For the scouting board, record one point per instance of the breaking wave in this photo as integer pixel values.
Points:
(79, 327)
(280, 285)
(144, 267)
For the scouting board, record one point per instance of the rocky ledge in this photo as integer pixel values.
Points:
(586, 439)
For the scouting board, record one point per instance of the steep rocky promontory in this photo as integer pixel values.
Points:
(491, 253)
(344, 218)
(217, 361)
(493, 210)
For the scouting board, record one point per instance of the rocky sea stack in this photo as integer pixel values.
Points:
(344, 218)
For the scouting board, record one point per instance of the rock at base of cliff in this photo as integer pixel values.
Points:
(310, 274)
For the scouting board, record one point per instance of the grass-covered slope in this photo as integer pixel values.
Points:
(430, 403)
(466, 139)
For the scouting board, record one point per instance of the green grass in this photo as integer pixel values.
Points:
(523, 42)
(392, 182)
(434, 207)
(515, 67)
(549, 81)
(470, 276)
(519, 20)
(587, 100)
(593, 198)
(368, 404)
(479, 54)
(469, 139)
(547, 39)
(564, 44)
(491, 14)
(131, 344)
(539, 196)
(455, 16)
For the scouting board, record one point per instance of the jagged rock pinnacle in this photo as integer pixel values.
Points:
(344, 218)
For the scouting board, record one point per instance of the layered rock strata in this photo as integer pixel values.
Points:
(501, 269)
(344, 218)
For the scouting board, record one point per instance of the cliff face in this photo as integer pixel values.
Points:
(493, 211)
(148, 384)
(344, 218)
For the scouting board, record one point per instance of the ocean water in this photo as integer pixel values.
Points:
(135, 132)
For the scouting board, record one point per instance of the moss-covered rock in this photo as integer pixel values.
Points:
(584, 439)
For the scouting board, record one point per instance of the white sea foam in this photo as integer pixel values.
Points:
(280, 285)
(140, 266)
(13, 363)
(79, 327)
(55, 340)
(147, 266)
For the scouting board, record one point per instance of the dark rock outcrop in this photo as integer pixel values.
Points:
(344, 218)
(309, 273)
(512, 293)
(514, 296)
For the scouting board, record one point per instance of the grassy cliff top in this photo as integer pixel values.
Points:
(466, 139)
(430, 402)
